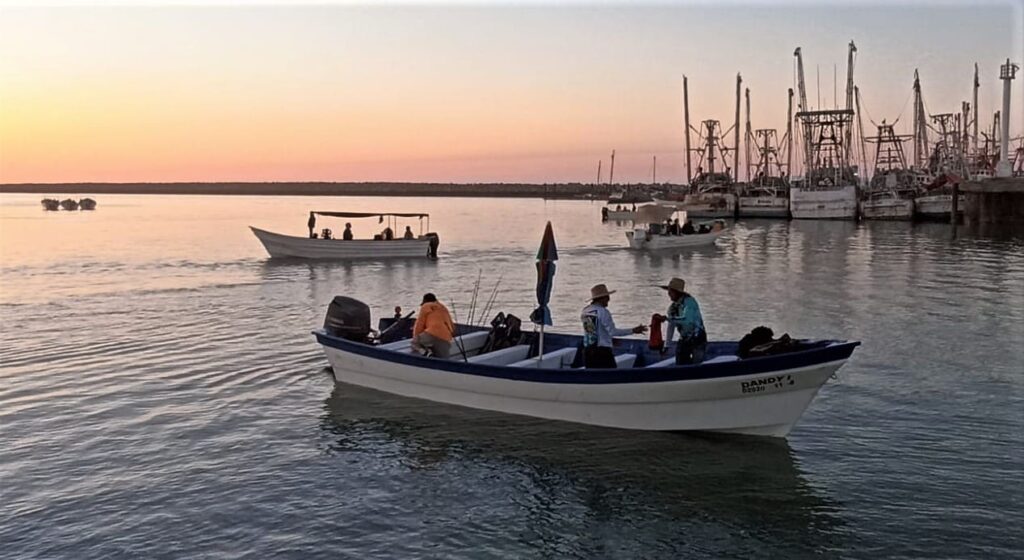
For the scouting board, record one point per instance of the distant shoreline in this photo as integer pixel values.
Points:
(476, 190)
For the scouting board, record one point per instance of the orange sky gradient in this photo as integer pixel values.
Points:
(459, 94)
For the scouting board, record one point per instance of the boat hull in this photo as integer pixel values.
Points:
(638, 240)
(935, 207)
(764, 207)
(289, 246)
(710, 205)
(838, 203)
(887, 209)
(764, 404)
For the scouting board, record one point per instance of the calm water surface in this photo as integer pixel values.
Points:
(161, 396)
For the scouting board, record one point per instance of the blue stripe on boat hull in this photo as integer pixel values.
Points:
(749, 366)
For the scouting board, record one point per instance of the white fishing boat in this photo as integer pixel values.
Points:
(887, 205)
(490, 370)
(326, 246)
(764, 205)
(828, 190)
(654, 240)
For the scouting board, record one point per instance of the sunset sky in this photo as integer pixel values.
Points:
(464, 92)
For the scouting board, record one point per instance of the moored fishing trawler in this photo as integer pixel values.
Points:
(69, 204)
(828, 190)
(87, 204)
(51, 204)
(324, 245)
(892, 189)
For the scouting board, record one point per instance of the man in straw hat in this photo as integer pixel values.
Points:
(684, 315)
(599, 328)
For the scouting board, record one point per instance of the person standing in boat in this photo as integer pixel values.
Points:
(433, 329)
(347, 234)
(312, 225)
(599, 329)
(684, 316)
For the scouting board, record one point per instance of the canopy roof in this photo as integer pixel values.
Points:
(370, 214)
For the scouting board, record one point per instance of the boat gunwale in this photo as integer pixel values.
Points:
(838, 351)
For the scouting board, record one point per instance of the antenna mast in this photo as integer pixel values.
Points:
(736, 134)
(748, 134)
(789, 137)
(686, 128)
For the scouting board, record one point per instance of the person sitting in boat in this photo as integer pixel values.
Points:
(347, 234)
(688, 228)
(432, 333)
(704, 228)
(599, 329)
(388, 234)
(408, 233)
(326, 233)
(684, 316)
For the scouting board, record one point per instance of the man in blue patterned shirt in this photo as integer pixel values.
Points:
(684, 316)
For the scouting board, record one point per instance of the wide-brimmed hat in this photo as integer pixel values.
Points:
(600, 291)
(677, 284)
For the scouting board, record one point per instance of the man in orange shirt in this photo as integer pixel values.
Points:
(433, 329)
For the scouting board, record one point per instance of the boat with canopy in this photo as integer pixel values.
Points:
(540, 374)
(390, 243)
(653, 234)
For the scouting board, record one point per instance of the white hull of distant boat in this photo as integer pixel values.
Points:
(765, 403)
(639, 240)
(887, 208)
(835, 203)
(935, 207)
(290, 246)
(764, 207)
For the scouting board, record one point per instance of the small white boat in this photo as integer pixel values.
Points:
(823, 202)
(644, 239)
(762, 396)
(764, 206)
(888, 205)
(326, 246)
(936, 207)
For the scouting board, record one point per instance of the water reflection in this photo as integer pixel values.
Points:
(749, 486)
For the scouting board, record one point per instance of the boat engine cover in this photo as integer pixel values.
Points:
(348, 318)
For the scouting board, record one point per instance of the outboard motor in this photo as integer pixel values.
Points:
(435, 241)
(348, 318)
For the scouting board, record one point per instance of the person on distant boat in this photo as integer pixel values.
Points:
(398, 312)
(388, 234)
(408, 233)
(684, 316)
(676, 230)
(347, 234)
(432, 333)
(312, 225)
(599, 329)
(326, 233)
(688, 227)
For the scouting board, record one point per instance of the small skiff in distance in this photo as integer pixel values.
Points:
(762, 396)
(325, 245)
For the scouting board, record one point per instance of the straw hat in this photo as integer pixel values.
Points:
(600, 291)
(677, 284)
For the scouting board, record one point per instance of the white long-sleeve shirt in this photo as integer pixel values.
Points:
(599, 327)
